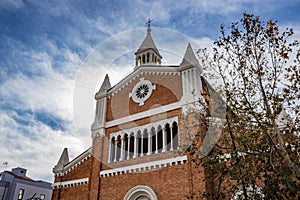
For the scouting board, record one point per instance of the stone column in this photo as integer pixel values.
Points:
(122, 149)
(149, 143)
(142, 144)
(135, 146)
(116, 149)
(171, 129)
(109, 152)
(128, 149)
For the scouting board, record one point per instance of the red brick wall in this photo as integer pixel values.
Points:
(78, 192)
(168, 90)
(81, 171)
(168, 183)
(71, 193)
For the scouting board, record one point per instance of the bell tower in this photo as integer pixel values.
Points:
(147, 53)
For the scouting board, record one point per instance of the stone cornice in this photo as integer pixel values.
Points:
(135, 129)
(144, 166)
(143, 70)
(144, 114)
(77, 182)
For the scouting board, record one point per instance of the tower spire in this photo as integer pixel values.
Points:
(63, 160)
(147, 53)
(190, 59)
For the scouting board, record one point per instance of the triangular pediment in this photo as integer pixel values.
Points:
(140, 72)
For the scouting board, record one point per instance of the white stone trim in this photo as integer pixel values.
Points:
(140, 190)
(142, 83)
(135, 129)
(191, 89)
(144, 70)
(144, 114)
(77, 182)
(77, 161)
(143, 166)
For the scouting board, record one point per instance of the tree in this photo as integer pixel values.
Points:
(258, 154)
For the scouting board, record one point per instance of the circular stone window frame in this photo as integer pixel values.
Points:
(139, 191)
(136, 88)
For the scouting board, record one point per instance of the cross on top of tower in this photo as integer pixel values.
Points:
(148, 23)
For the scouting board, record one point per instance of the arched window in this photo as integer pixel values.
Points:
(118, 149)
(139, 144)
(145, 142)
(139, 61)
(153, 139)
(131, 146)
(175, 135)
(148, 57)
(125, 146)
(159, 139)
(112, 149)
(143, 59)
(168, 136)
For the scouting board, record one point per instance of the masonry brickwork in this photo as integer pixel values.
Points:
(171, 180)
(168, 90)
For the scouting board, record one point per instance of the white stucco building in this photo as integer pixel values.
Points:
(17, 186)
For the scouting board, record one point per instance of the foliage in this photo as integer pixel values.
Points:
(259, 68)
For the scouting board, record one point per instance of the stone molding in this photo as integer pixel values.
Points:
(141, 115)
(144, 166)
(140, 190)
(148, 127)
(77, 182)
(145, 94)
(76, 162)
(143, 70)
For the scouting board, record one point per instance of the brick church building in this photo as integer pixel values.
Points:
(137, 133)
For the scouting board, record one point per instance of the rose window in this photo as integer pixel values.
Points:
(141, 91)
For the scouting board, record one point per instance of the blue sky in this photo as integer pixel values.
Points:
(45, 46)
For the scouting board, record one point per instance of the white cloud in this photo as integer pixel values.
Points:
(39, 151)
(38, 90)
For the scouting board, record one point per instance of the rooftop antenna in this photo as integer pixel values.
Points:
(5, 164)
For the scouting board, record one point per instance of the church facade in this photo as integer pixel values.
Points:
(137, 135)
